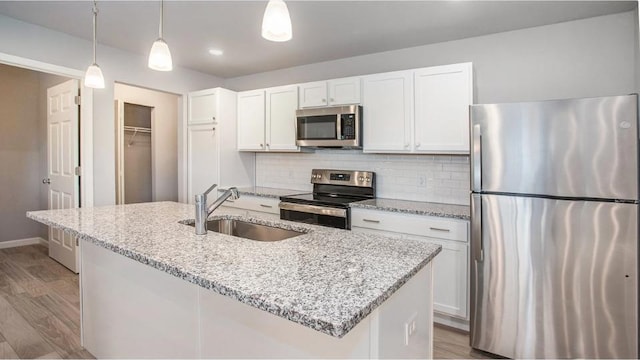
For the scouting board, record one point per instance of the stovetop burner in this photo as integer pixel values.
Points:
(322, 199)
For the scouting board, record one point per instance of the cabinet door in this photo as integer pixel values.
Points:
(282, 103)
(202, 107)
(344, 91)
(443, 95)
(251, 120)
(450, 280)
(387, 103)
(202, 157)
(313, 94)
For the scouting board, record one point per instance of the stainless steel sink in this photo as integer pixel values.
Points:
(249, 230)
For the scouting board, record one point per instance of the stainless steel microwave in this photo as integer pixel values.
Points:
(332, 127)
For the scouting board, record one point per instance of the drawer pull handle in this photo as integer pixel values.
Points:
(439, 229)
(371, 221)
(266, 206)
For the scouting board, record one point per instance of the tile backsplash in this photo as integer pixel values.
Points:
(433, 178)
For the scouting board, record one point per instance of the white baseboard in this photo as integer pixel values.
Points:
(451, 321)
(23, 242)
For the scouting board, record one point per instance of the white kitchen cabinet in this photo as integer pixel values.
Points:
(202, 143)
(335, 92)
(212, 156)
(251, 120)
(418, 111)
(267, 119)
(451, 281)
(387, 103)
(442, 98)
(258, 206)
(202, 106)
(282, 103)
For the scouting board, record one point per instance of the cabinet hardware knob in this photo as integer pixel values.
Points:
(406, 145)
(267, 145)
(213, 117)
(332, 100)
(371, 221)
(261, 145)
(324, 100)
(46, 181)
(417, 145)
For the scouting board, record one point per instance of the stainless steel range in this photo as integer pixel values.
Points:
(328, 205)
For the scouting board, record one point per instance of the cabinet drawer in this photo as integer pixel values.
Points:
(434, 227)
(255, 203)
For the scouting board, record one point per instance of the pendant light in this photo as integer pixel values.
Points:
(93, 77)
(160, 56)
(276, 23)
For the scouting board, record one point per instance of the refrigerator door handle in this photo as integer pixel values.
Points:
(476, 228)
(476, 159)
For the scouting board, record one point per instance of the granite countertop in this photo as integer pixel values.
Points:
(416, 207)
(327, 279)
(267, 191)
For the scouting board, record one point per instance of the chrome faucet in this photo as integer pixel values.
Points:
(202, 212)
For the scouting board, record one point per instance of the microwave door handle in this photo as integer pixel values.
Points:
(339, 127)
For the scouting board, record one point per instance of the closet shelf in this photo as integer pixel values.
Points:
(137, 129)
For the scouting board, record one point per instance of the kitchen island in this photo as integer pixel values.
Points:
(150, 287)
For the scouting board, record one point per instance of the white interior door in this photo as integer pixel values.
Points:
(63, 158)
(119, 111)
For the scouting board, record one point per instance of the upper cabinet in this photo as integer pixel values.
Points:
(266, 119)
(442, 98)
(418, 111)
(387, 107)
(251, 120)
(330, 93)
(203, 106)
(212, 155)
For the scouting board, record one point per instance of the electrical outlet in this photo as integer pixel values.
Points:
(410, 328)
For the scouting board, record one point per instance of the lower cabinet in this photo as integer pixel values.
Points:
(259, 206)
(450, 267)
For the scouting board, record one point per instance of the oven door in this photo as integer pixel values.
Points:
(315, 215)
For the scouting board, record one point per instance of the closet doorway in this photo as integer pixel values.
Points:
(146, 145)
(135, 183)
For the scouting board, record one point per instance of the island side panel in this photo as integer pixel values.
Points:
(404, 323)
(231, 329)
(131, 310)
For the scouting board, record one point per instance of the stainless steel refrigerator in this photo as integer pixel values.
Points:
(554, 228)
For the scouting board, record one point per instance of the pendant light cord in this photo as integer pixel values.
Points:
(161, 19)
(95, 26)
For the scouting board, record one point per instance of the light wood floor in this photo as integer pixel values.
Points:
(454, 344)
(40, 311)
(39, 306)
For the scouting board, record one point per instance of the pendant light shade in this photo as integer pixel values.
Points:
(160, 56)
(276, 23)
(93, 77)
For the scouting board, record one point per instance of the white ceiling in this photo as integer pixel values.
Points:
(322, 30)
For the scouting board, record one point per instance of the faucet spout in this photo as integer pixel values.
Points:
(202, 212)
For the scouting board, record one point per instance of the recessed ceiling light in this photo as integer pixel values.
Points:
(216, 52)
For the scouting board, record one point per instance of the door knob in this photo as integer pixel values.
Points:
(46, 181)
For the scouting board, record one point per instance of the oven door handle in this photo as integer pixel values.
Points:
(314, 209)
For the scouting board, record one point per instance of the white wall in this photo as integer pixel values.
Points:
(37, 43)
(164, 136)
(582, 58)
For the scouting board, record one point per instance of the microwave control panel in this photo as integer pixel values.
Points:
(348, 122)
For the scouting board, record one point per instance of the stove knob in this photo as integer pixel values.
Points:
(368, 179)
(360, 178)
(319, 176)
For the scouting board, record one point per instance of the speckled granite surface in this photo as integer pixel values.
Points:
(267, 191)
(328, 279)
(416, 207)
